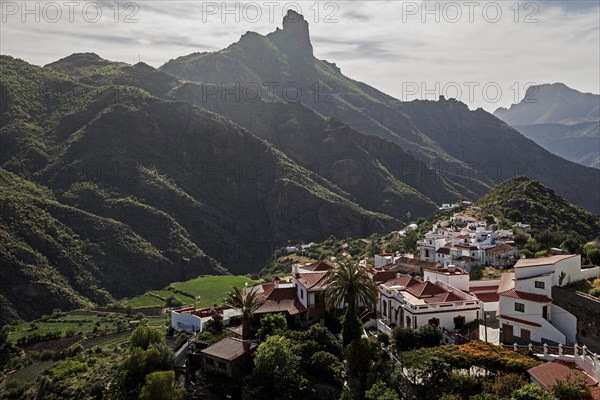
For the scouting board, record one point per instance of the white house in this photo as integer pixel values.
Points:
(428, 246)
(406, 301)
(191, 319)
(525, 310)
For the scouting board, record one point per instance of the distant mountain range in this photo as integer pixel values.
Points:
(118, 178)
(564, 121)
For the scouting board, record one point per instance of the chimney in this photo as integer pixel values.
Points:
(295, 267)
(451, 268)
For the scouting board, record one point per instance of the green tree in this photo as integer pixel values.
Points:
(143, 336)
(429, 336)
(573, 244)
(532, 392)
(173, 301)
(246, 303)
(325, 367)
(505, 384)
(380, 391)
(141, 362)
(214, 326)
(276, 372)
(404, 338)
(520, 239)
(358, 357)
(572, 388)
(350, 285)
(593, 256)
(272, 324)
(161, 386)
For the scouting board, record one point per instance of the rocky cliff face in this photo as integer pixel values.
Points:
(470, 147)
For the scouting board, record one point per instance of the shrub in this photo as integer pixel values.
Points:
(383, 338)
(594, 292)
(505, 384)
(380, 391)
(572, 388)
(532, 392)
(62, 369)
(144, 336)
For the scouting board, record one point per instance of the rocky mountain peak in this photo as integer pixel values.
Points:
(294, 37)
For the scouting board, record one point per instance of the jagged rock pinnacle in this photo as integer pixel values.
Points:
(295, 36)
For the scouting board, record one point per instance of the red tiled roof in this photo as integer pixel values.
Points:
(313, 280)
(548, 373)
(318, 266)
(500, 249)
(515, 294)
(425, 289)
(383, 276)
(266, 289)
(466, 259)
(487, 297)
(482, 289)
(404, 280)
(281, 300)
(229, 349)
(521, 321)
(444, 298)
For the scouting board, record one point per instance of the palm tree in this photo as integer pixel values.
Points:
(350, 285)
(246, 303)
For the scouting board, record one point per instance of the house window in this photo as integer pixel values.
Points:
(539, 285)
(426, 253)
(302, 294)
(459, 322)
(222, 365)
(520, 307)
(385, 308)
(434, 322)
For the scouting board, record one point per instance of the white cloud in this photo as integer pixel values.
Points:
(385, 44)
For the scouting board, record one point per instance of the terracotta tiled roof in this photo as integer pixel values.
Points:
(521, 321)
(515, 294)
(444, 298)
(383, 276)
(534, 262)
(488, 297)
(318, 266)
(500, 249)
(313, 280)
(466, 259)
(281, 300)
(443, 250)
(425, 289)
(404, 280)
(229, 349)
(548, 373)
(483, 289)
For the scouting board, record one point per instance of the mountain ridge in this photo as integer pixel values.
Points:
(443, 133)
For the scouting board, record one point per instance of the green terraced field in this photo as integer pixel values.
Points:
(209, 290)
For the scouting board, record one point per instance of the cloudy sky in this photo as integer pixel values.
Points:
(483, 52)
